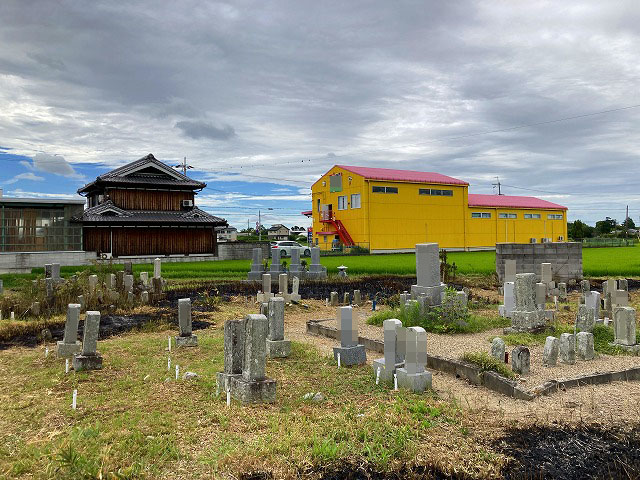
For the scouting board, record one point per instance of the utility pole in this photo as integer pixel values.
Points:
(497, 184)
(183, 166)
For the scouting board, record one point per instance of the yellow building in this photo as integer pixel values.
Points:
(391, 210)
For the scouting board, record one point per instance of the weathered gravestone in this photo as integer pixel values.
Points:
(550, 353)
(520, 360)
(333, 299)
(233, 353)
(257, 266)
(526, 317)
(186, 337)
(157, 268)
(89, 358)
(295, 289)
(93, 284)
(283, 286)
(144, 279)
(393, 356)
(585, 319)
(624, 325)
(277, 346)
(128, 283)
(506, 310)
(317, 271)
(351, 353)
(357, 297)
(128, 268)
(413, 375)
(70, 345)
(264, 295)
(497, 349)
(567, 348)
(428, 274)
(276, 267)
(585, 347)
(295, 267)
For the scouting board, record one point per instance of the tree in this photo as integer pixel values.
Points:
(579, 229)
(606, 226)
(628, 223)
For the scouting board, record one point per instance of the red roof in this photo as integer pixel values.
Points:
(480, 200)
(390, 174)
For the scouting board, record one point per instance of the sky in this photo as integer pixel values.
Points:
(262, 98)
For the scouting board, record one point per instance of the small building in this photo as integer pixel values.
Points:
(40, 225)
(146, 208)
(278, 232)
(387, 210)
(227, 234)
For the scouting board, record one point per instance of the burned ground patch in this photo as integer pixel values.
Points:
(571, 453)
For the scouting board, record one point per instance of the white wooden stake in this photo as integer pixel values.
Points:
(66, 365)
(228, 397)
(378, 376)
(168, 364)
(338, 360)
(326, 302)
(13, 316)
(169, 343)
(46, 352)
(75, 399)
(395, 381)
(177, 371)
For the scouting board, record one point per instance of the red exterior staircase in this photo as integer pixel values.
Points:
(345, 238)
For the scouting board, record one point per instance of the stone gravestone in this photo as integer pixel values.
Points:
(509, 306)
(89, 358)
(144, 279)
(144, 297)
(70, 345)
(157, 268)
(317, 271)
(592, 301)
(111, 281)
(509, 271)
(520, 360)
(295, 289)
(497, 349)
(1, 287)
(392, 354)
(128, 283)
(81, 302)
(550, 353)
(624, 326)
(277, 346)
(157, 285)
(585, 320)
(346, 299)
(567, 348)
(35, 308)
(265, 294)
(283, 286)
(351, 353)
(295, 267)
(47, 271)
(276, 262)
(128, 268)
(253, 385)
(334, 299)
(186, 337)
(357, 297)
(413, 375)
(623, 284)
(233, 353)
(585, 347)
(526, 317)
(562, 292)
(585, 288)
(546, 275)
(428, 274)
(257, 267)
(619, 298)
(120, 280)
(93, 284)
(541, 295)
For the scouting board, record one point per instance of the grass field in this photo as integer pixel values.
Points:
(597, 262)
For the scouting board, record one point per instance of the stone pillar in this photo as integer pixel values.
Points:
(567, 348)
(144, 297)
(497, 349)
(120, 279)
(592, 301)
(541, 295)
(510, 271)
(316, 269)
(55, 271)
(89, 359)
(550, 353)
(277, 346)
(257, 267)
(520, 360)
(387, 365)
(47, 271)
(413, 375)
(295, 289)
(276, 264)
(186, 337)
(265, 294)
(562, 292)
(357, 297)
(70, 344)
(351, 353)
(295, 268)
(546, 276)
(624, 324)
(81, 302)
(585, 320)
(144, 279)
(157, 268)
(333, 299)
(128, 268)
(283, 284)
(585, 350)
(233, 353)
(111, 281)
(585, 288)
(346, 300)
(526, 317)
(428, 273)
(128, 283)
(509, 299)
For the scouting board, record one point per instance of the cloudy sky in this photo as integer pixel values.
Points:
(263, 97)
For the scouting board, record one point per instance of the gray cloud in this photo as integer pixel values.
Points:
(55, 164)
(24, 176)
(199, 129)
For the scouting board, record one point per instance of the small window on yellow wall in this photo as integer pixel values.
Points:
(342, 202)
(532, 215)
(554, 216)
(507, 215)
(355, 200)
(480, 215)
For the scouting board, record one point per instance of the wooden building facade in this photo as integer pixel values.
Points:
(146, 208)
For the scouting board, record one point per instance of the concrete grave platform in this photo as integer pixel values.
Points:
(416, 382)
(188, 341)
(356, 355)
(253, 391)
(278, 348)
(87, 362)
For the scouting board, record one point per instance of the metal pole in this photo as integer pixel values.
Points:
(259, 227)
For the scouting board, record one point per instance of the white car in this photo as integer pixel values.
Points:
(286, 246)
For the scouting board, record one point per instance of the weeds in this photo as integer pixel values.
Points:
(487, 363)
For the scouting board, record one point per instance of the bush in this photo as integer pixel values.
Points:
(487, 363)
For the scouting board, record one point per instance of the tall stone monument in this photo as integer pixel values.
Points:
(257, 266)
(526, 317)
(89, 358)
(393, 356)
(186, 337)
(428, 272)
(317, 271)
(70, 345)
(413, 375)
(351, 353)
(277, 346)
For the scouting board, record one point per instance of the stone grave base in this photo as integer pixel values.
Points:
(278, 348)
(416, 382)
(223, 380)
(526, 321)
(263, 297)
(87, 362)
(386, 376)
(316, 272)
(262, 391)
(68, 350)
(356, 355)
(635, 349)
(190, 341)
(295, 297)
(255, 276)
(433, 294)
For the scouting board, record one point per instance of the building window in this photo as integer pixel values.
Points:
(335, 183)
(532, 215)
(555, 216)
(435, 192)
(377, 189)
(355, 200)
(342, 202)
(507, 215)
(318, 204)
(480, 215)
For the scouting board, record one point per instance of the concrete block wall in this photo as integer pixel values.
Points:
(241, 250)
(565, 259)
(23, 262)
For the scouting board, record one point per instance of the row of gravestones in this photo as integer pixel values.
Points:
(283, 289)
(348, 298)
(316, 270)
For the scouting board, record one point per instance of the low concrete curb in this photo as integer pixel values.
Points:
(491, 380)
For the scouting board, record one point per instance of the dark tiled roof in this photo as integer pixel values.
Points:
(107, 213)
(132, 173)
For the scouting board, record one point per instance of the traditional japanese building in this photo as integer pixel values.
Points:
(146, 208)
